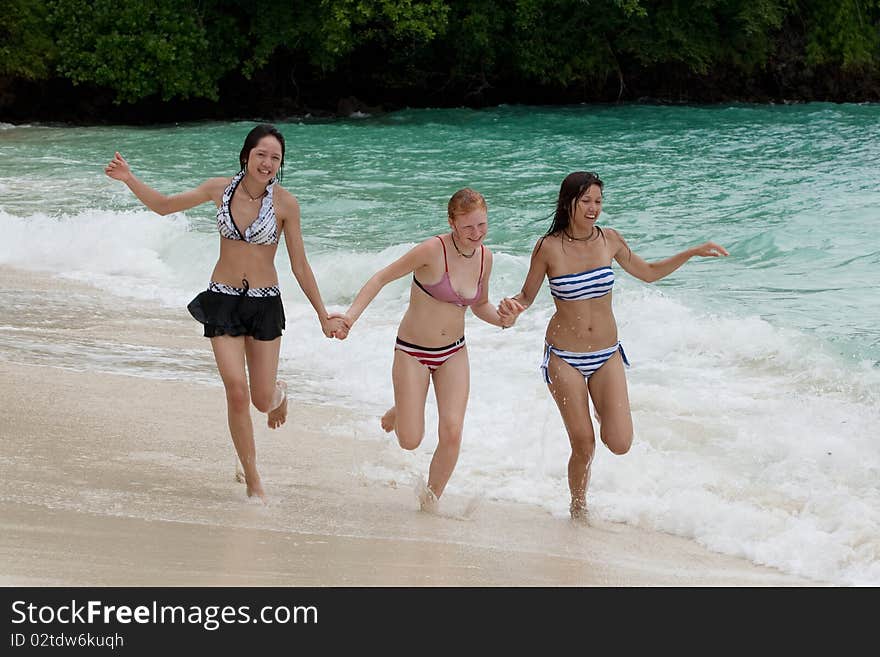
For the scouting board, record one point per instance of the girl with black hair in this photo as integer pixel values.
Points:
(241, 310)
(583, 358)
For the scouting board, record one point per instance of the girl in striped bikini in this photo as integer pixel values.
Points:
(583, 358)
(430, 343)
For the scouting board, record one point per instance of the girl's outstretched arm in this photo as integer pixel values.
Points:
(416, 257)
(210, 190)
(654, 271)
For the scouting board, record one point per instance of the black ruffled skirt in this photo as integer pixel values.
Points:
(228, 314)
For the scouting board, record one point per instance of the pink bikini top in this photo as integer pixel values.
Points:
(442, 290)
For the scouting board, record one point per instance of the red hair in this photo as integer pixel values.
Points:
(464, 201)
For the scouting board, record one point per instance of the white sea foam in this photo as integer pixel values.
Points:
(754, 381)
(753, 440)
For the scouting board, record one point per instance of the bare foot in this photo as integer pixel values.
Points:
(578, 511)
(428, 502)
(389, 419)
(278, 415)
(255, 489)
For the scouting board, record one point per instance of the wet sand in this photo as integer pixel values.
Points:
(114, 480)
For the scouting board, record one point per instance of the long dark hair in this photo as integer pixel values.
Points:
(254, 136)
(572, 188)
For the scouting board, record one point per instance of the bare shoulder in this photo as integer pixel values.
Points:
(286, 204)
(612, 234)
(214, 187)
(615, 239)
(487, 260)
(547, 245)
(426, 253)
(219, 183)
(430, 244)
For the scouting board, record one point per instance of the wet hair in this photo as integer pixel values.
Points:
(572, 188)
(464, 201)
(253, 137)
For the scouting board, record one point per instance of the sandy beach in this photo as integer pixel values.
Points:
(117, 480)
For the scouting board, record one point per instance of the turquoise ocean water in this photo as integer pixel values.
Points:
(755, 379)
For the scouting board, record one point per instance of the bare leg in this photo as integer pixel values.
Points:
(427, 500)
(229, 352)
(596, 413)
(569, 390)
(451, 387)
(577, 509)
(389, 419)
(608, 389)
(239, 471)
(267, 393)
(278, 414)
(411, 380)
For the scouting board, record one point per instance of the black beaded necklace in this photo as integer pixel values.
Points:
(463, 255)
(579, 239)
(251, 196)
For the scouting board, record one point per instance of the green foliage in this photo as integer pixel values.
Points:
(325, 32)
(177, 49)
(548, 42)
(477, 41)
(561, 42)
(26, 48)
(701, 34)
(845, 33)
(138, 48)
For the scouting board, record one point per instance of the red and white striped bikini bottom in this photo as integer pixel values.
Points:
(430, 357)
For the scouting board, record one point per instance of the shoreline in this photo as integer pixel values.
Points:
(123, 480)
(352, 107)
(103, 494)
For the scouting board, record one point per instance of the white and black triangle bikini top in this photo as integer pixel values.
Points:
(263, 229)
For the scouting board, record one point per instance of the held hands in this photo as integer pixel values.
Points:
(334, 326)
(118, 168)
(710, 249)
(508, 310)
(347, 323)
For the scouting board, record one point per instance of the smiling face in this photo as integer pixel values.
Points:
(265, 159)
(470, 227)
(262, 152)
(578, 204)
(586, 208)
(468, 217)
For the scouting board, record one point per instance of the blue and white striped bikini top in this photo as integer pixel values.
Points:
(263, 230)
(588, 284)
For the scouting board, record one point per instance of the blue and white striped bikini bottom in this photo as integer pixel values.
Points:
(584, 362)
